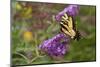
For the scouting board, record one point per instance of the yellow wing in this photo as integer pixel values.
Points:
(65, 31)
(67, 26)
(70, 23)
(68, 20)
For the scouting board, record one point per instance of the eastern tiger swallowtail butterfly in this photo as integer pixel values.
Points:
(68, 27)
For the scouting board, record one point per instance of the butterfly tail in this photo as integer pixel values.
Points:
(78, 36)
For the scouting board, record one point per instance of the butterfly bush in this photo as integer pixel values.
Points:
(71, 10)
(56, 46)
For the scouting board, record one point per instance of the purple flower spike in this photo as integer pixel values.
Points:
(71, 10)
(56, 46)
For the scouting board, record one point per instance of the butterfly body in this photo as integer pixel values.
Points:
(68, 27)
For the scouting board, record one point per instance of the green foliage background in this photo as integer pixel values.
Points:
(41, 22)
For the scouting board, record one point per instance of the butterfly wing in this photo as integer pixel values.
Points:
(70, 23)
(67, 26)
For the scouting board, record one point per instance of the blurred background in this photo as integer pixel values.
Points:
(34, 22)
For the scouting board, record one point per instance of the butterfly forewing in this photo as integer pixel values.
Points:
(68, 26)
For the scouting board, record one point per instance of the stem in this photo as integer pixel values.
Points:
(36, 50)
(33, 59)
(36, 58)
(36, 47)
(28, 61)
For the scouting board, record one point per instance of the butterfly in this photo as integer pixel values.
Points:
(68, 27)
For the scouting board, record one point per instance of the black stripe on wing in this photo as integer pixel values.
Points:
(63, 26)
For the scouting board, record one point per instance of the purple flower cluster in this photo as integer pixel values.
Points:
(71, 10)
(56, 46)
